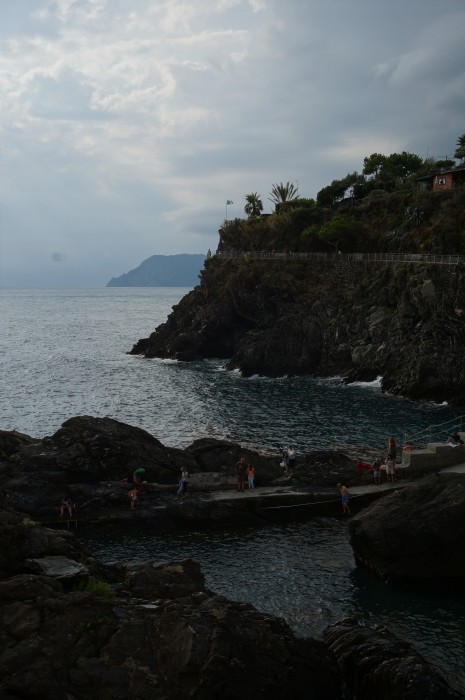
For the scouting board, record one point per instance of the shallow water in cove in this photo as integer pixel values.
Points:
(63, 353)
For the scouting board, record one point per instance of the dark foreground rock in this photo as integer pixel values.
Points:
(377, 664)
(154, 631)
(415, 533)
(84, 630)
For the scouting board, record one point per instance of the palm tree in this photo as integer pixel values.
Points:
(283, 193)
(460, 150)
(254, 205)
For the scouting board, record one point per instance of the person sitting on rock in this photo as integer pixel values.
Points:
(67, 506)
(454, 440)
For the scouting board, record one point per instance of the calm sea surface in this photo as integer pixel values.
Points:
(63, 353)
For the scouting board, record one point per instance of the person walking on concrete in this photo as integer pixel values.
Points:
(344, 491)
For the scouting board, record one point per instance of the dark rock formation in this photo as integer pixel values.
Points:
(152, 630)
(163, 271)
(89, 458)
(24, 540)
(416, 533)
(157, 632)
(377, 664)
(11, 442)
(326, 468)
(405, 322)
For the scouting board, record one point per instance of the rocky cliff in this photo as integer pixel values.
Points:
(403, 321)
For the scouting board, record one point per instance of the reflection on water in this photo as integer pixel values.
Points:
(305, 573)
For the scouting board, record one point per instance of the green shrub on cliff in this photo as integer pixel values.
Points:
(96, 587)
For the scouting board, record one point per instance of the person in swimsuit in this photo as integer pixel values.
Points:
(344, 491)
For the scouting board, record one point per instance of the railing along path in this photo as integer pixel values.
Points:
(368, 257)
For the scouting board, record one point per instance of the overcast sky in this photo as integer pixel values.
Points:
(125, 125)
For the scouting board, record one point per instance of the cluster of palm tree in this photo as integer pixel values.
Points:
(279, 193)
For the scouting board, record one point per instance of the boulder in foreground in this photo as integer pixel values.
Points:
(415, 533)
(377, 664)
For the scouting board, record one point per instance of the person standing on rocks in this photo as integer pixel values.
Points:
(376, 466)
(344, 491)
(251, 477)
(290, 459)
(392, 448)
(390, 469)
(183, 482)
(241, 473)
(284, 463)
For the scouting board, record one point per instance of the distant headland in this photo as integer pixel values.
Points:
(163, 271)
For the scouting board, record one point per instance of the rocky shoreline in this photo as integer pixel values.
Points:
(75, 628)
(404, 322)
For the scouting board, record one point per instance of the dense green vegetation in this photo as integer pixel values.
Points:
(380, 210)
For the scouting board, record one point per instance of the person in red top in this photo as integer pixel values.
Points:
(251, 476)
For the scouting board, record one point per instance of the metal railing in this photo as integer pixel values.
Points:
(368, 257)
(440, 431)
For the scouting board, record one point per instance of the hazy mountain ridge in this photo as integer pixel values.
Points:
(163, 271)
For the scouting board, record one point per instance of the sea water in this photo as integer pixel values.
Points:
(64, 353)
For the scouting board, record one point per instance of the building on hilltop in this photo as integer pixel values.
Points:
(442, 180)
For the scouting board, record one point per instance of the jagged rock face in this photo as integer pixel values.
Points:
(377, 664)
(402, 321)
(416, 533)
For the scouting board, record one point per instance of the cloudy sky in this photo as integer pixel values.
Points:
(125, 125)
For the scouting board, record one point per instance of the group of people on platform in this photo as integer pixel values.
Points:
(388, 465)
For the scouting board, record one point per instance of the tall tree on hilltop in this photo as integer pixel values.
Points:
(283, 193)
(254, 206)
(460, 150)
(373, 164)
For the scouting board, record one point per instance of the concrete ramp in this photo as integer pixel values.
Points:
(435, 457)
